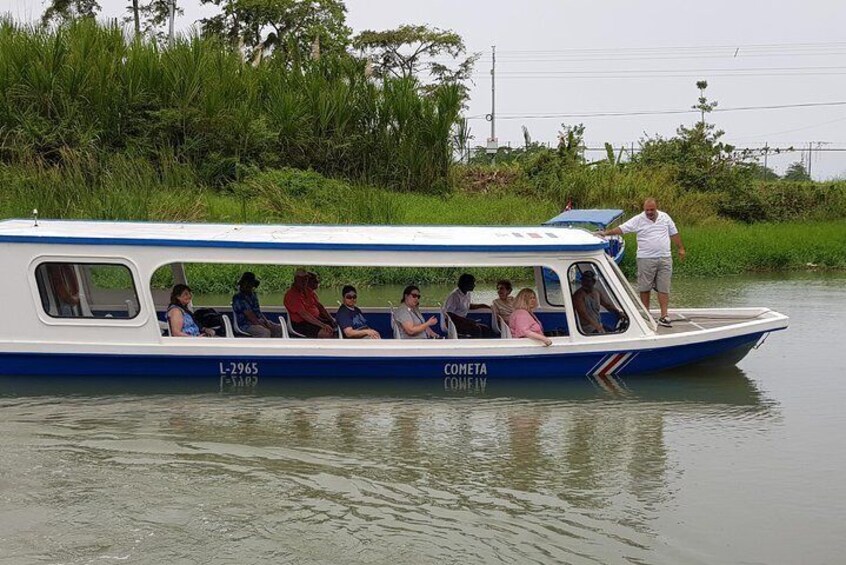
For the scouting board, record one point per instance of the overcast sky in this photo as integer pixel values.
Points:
(614, 56)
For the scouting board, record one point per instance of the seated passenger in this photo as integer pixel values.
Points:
(247, 312)
(180, 319)
(410, 320)
(504, 305)
(350, 319)
(305, 309)
(586, 302)
(523, 322)
(313, 285)
(65, 286)
(458, 305)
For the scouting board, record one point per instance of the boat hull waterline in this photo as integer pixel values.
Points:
(251, 369)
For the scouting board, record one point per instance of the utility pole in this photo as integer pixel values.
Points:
(492, 141)
(810, 147)
(493, 92)
(136, 18)
(766, 154)
(171, 16)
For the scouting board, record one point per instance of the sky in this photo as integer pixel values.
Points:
(562, 61)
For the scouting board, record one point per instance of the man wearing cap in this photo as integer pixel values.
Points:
(247, 312)
(586, 302)
(302, 305)
(655, 230)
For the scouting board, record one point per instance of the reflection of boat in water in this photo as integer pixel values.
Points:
(720, 385)
(82, 305)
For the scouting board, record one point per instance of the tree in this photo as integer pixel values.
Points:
(63, 10)
(151, 18)
(289, 27)
(797, 171)
(701, 161)
(416, 50)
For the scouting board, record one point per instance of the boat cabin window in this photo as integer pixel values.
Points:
(87, 290)
(552, 288)
(597, 310)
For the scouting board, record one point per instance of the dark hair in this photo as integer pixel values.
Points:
(348, 288)
(408, 290)
(177, 290)
(466, 280)
(506, 283)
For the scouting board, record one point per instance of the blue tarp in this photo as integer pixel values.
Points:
(599, 218)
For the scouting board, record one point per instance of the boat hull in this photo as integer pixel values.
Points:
(251, 369)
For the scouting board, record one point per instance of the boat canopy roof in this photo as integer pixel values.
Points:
(318, 237)
(599, 218)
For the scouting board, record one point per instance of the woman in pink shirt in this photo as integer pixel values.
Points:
(523, 322)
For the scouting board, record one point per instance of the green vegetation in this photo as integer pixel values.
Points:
(80, 93)
(95, 126)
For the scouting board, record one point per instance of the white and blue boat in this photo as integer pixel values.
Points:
(114, 326)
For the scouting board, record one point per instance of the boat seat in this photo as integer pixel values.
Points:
(289, 327)
(504, 330)
(164, 328)
(238, 332)
(398, 333)
(284, 325)
(451, 332)
(227, 327)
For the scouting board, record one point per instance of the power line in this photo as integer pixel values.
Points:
(705, 70)
(676, 48)
(659, 112)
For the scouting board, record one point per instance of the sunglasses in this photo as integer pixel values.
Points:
(351, 296)
(413, 295)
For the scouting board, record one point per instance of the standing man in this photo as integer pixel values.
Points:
(654, 231)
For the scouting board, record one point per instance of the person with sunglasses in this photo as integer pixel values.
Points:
(350, 318)
(410, 319)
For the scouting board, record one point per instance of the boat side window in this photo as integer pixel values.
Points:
(596, 308)
(552, 289)
(87, 290)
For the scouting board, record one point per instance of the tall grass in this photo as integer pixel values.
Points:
(122, 188)
(729, 248)
(83, 91)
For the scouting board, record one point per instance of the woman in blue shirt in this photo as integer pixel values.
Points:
(180, 319)
(350, 319)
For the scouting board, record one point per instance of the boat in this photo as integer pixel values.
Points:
(594, 219)
(113, 328)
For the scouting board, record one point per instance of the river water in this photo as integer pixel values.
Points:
(741, 465)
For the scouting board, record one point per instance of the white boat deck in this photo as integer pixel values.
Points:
(686, 321)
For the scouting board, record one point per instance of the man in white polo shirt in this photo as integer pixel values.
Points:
(654, 231)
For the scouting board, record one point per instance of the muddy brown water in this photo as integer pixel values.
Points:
(737, 465)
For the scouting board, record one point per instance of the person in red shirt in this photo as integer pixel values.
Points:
(304, 308)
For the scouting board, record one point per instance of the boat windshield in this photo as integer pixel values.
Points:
(632, 294)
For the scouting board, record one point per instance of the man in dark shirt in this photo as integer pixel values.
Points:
(350, 318)
(247, 312)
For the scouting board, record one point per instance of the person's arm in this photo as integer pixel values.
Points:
(252, 318)
(366, 334)
(539, 337)
(477, 306)
(610, 306)
(313, 321)
(176, 322)
(676, 239)
(411, 328)
(612, 231)
(325, 315)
